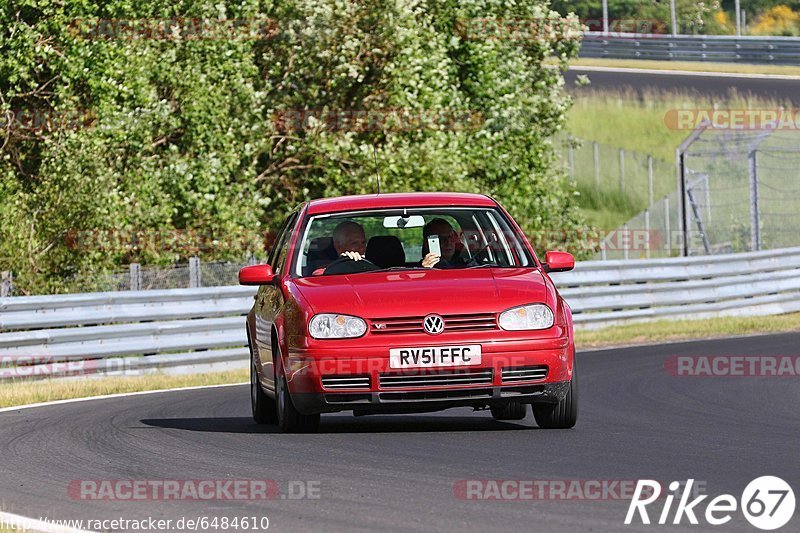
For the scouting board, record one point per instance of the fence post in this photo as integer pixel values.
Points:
(571, 162)
(596, 165)
(667, 236)
(683, 230)
(603, 253)
(647, 233)
(625, 242)
(755, 231)
(136, 276)
(194, 273)
(6, 283)
(650, 178)
(622, 171)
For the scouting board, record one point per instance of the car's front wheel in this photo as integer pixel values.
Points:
(561, 415)
(290, 420)
(509, 411)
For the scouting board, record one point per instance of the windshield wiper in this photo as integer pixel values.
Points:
(395, 268)
(484, 265)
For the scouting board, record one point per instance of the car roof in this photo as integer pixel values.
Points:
(398, 200)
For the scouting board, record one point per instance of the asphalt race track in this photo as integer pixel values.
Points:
(715, 86)
(390, 473)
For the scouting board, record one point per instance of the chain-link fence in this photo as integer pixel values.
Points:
(742, 191)
(143, 278)
(739, 192)
(194, 274)
(614, 178)
(593, 166)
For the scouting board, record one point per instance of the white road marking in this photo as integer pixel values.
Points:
(42, 526)
(578, 68)
(117, 395)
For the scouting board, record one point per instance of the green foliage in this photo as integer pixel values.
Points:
(179, 132)
(692, 17)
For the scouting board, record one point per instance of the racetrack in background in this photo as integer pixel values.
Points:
(713, 85)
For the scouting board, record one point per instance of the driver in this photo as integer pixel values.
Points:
(350, 243)
(349, 240)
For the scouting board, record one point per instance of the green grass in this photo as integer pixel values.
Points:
(606, 208)
(692, 66)
(623, 120)
(25, 392)
(677, 330)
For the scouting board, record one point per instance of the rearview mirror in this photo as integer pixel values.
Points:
(558, 262)
(412, 221)
(256, 275)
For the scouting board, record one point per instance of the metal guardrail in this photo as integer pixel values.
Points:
(719, 48)
(198, 330)
(603, 293)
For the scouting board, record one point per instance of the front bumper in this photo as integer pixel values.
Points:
(307, 370)
(416, 401)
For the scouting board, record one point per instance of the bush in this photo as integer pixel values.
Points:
(143, 132)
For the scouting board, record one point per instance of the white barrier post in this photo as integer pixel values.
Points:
(136, 276)
(195, 280)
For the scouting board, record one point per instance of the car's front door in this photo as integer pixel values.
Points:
(270, 299)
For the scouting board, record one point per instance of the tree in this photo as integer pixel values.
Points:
(185, 117)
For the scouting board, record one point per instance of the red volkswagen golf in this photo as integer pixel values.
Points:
(404, 303)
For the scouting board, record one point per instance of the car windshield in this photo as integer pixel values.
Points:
(401, 239)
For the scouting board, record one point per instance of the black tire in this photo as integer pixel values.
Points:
(263, 407)
(561, 415)
(290, 420)
(509, 411)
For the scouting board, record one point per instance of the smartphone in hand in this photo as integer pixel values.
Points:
(433, 245)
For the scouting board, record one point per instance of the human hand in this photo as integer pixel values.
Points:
(355, 256)
(430, 260)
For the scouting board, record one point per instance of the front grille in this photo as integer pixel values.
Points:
(345, 382)
(524, 373)
(440, 379)
(413, 324)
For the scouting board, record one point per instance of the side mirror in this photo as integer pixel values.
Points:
(558, 262)
(256, 275)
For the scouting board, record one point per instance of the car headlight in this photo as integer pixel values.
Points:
(331, 326)
(535, 316)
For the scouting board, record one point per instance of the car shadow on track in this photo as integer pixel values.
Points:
(345, 424)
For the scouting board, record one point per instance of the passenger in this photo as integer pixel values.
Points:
(448, 242)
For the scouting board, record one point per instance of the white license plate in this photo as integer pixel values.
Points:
(433, 356)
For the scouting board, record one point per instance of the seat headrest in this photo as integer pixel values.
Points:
(386, 251)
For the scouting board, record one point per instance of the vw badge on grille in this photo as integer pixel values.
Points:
(433, 324)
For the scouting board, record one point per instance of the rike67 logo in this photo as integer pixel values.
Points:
(767, 503)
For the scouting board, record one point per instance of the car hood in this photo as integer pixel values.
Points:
(419, 292)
